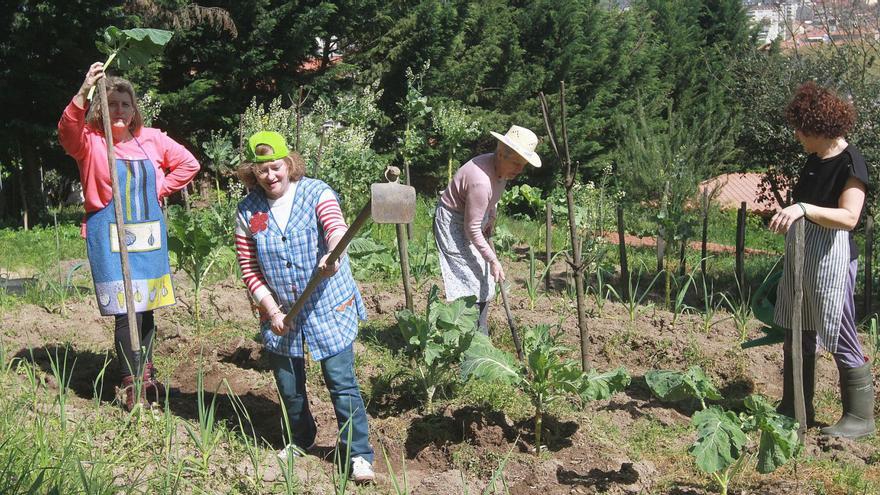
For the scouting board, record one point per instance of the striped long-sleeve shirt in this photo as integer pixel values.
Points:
(329, 216)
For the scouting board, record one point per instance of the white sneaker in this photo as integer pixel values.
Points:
(294, 450)
(361, 470)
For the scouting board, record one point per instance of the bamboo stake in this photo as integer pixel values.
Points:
(133, 330)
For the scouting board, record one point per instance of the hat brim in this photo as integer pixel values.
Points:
(530, 156)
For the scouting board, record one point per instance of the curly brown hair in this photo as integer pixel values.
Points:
(818, 111)
(296, 166)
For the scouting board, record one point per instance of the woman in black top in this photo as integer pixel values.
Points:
(830, 195)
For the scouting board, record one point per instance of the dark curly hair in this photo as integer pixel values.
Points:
(818, 111)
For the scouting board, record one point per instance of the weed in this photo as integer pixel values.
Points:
(602, 292)
(209, 433)
(634, 299)
(711, 304)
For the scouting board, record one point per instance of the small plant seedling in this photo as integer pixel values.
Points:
(436, 340)
(722, 441)
(544, 376)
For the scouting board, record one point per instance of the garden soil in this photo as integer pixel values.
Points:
(457, 448)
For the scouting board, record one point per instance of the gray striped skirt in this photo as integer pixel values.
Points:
(826, 263)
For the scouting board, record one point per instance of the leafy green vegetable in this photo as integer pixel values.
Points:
(545, 376)
(722, 436)
(779, 439)
(436, 341)
(132, 47)
(672, 386)
(720, 439)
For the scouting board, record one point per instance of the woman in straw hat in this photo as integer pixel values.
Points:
(465, 218)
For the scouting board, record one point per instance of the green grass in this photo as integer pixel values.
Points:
(35, 250)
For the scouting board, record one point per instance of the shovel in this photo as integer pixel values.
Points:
(389, 202)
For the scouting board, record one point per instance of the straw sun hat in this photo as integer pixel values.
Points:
(523, 141)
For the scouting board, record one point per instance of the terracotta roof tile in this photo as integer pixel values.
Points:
(738, 187)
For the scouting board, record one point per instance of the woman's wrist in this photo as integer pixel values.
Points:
(803, 208)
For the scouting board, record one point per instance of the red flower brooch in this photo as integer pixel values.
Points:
(259, 222)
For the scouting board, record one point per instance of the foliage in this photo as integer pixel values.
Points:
(545, 376)
(524, 200)
(601, 291)
(198, 239)
(454, 125)
(415, 110)
(536, 278)
(347, 162)
(633, 299)
(370, 258)
(722, 436)
(678, 155)
(222, 156)
(766, 82)
(132, 47)
(437, 340)
(673, 386)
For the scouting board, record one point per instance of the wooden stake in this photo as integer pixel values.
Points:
(549, 243)
(133, 330)
(800, 410)
(704, 251)
(741, 244)
(621, 247)
(404, 263)
(869, 264)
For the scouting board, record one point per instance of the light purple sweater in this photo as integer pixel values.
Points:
(474, 192)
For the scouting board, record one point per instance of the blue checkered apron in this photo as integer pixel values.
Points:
(288, 257)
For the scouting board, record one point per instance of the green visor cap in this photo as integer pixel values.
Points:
(270, 138)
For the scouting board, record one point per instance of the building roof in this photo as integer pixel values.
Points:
(737, 187)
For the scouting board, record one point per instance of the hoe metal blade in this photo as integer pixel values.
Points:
(392, 202)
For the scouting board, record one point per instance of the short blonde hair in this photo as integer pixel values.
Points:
(296, 166)
(95, 117)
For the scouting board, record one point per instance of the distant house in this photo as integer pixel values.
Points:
(736, 188)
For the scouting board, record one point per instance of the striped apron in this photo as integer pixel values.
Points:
(826, 262)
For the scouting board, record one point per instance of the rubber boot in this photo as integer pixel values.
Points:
(857, 395)
(786, 405)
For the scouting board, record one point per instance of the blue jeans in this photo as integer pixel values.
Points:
(351, 415)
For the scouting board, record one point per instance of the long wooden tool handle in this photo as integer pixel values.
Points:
(513, 332)
(334, 255)
(133, 329)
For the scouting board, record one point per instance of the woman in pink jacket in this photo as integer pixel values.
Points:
(150, 166)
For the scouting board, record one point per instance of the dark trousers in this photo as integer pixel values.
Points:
(122, 341)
